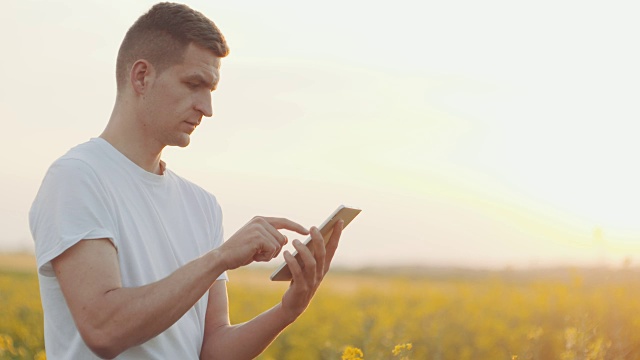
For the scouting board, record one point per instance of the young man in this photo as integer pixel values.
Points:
(130, 256)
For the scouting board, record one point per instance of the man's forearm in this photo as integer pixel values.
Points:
(246, 340)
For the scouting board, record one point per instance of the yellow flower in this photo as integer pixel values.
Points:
(402, 348)
(352, 353)
(6, 345)
(40, 356)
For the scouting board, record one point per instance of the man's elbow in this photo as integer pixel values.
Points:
(213, 347)
(101, 343)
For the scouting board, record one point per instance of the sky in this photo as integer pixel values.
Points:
(473, 134)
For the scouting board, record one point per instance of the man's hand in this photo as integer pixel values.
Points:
(249, 339)
(307, 278)
(258, 240)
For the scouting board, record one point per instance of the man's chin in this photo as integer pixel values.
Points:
(182, 141)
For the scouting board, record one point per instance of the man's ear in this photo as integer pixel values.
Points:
(141, 73)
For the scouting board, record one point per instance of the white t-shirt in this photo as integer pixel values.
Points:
(156, 222)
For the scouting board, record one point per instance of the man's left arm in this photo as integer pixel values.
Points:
(248, 340)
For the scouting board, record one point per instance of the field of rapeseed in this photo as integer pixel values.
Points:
(21, 334)
(561, 314)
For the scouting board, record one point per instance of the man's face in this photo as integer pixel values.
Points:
(180, 96)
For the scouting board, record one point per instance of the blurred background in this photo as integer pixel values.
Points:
(472, 134)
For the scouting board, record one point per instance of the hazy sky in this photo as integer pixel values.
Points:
(486, 133)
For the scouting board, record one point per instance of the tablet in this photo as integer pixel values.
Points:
(345, 213)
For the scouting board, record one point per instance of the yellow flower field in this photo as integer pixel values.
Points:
(560, 314)
(21, 334)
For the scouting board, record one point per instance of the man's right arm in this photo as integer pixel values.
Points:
(111, 318)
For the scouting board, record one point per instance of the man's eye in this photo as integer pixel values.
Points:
(193, 85)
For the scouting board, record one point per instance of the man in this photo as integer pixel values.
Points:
(130, 256)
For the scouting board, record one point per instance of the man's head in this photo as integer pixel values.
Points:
(167, 67)
(162, 35)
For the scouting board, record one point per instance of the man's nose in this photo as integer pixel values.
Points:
(205, 106)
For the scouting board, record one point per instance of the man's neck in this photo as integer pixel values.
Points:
(125, 136)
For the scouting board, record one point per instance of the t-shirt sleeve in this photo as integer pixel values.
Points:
(70, 206)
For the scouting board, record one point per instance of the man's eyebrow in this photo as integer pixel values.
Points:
(201, 79)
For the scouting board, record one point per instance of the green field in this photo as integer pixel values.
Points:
(407, 314)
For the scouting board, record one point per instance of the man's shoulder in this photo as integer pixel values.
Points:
(88, 152)
(89, 162)
(80, 158)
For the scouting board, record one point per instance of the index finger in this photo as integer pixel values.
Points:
(283, 223)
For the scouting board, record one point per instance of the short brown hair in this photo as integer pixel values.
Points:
(162, 35)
